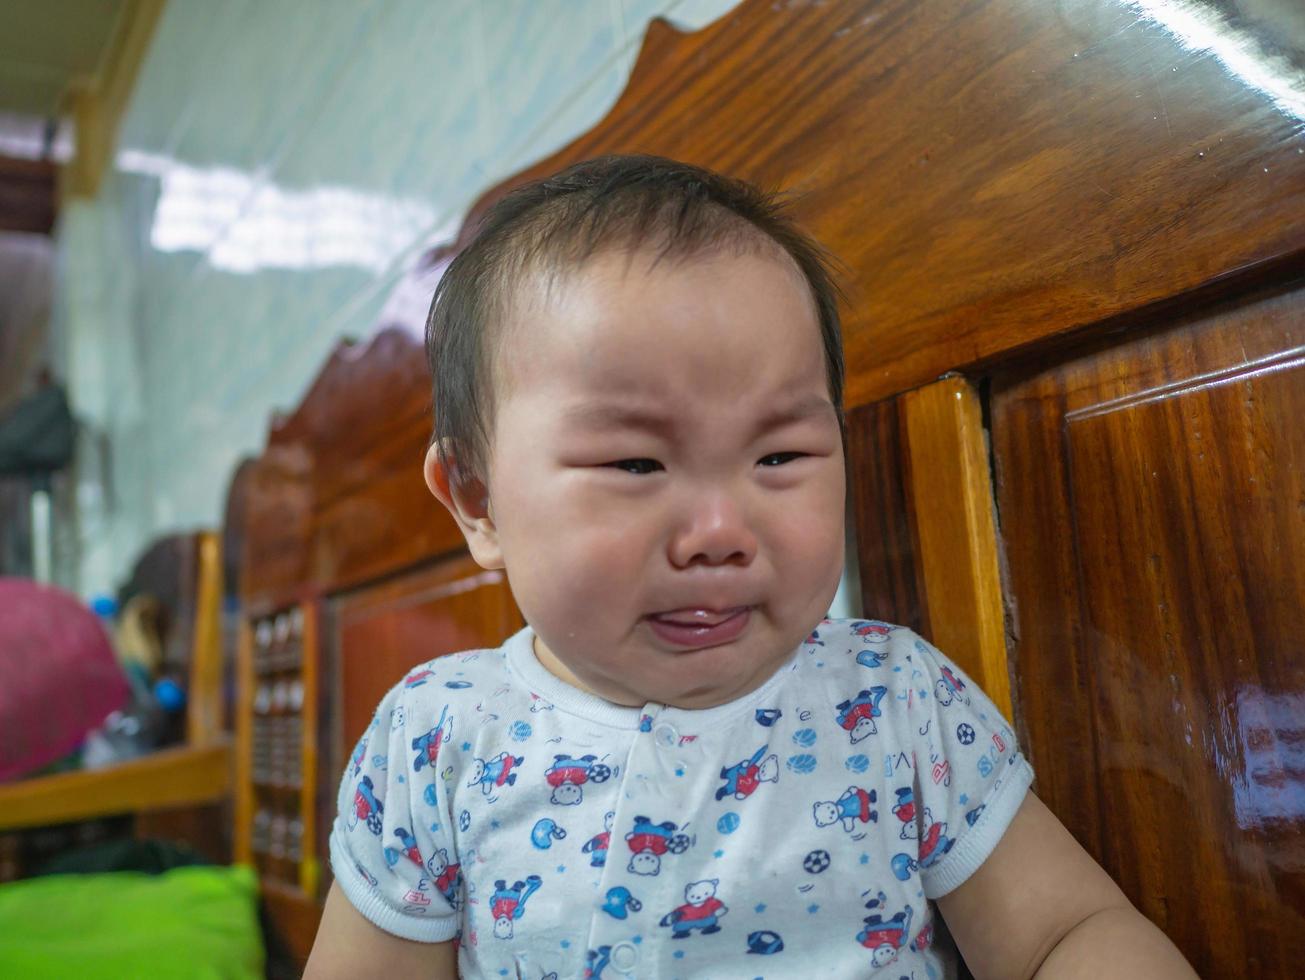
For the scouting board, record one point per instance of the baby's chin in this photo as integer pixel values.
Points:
(689, 685)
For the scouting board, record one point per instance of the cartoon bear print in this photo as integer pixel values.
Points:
(743, 778)
(950, 688)
(904, 810)
(872, 630)
(813, 638)
(408, 850)
(932, 834)
(495, 773)
(596, 846)
(853, 806)
(934, 842)
(649, 842)
(568, 774)
(884, 937)
(367, 806)
(428, 745)
(857, 715)
(701, 910)
(448, 877)
(509, 904)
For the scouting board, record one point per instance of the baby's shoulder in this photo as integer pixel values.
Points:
(430, 693)
(458, 671)
(862, 670)
(866, 649)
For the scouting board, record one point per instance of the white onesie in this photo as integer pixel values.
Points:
(799, 831)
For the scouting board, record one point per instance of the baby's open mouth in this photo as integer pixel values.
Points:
(697, 616)
(695, 629)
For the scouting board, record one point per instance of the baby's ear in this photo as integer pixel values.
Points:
(467, 499)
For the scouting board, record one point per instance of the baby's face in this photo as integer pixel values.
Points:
(603, 523)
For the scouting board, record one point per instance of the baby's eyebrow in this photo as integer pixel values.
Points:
(602, 416)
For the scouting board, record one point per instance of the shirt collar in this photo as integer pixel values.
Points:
(521, 659)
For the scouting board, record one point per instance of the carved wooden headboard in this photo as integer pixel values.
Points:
(1015, 189)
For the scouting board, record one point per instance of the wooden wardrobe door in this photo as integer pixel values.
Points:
(382, 632)
(1152, 503)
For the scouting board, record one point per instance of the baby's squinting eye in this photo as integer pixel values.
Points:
(621, 464)
(643, 466)
(790, 456)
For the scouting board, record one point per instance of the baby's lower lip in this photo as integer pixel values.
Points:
(696, 636)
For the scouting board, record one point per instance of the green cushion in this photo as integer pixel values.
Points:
(190, 922)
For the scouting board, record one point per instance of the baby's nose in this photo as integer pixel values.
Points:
(715, 534)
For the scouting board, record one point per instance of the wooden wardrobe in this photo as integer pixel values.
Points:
(1074, 239)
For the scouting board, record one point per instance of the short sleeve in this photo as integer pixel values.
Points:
(970, 776)
(391, 846)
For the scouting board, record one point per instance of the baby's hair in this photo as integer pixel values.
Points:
(552, 226)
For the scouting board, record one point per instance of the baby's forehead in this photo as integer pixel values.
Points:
(646, 328)
(537, 279)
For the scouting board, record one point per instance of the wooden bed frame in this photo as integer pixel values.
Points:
(1057, 221)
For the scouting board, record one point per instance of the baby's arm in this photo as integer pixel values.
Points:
(1040, 906)
(348, 946)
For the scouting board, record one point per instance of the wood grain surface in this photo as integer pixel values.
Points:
(992, 174)
(1153, 506)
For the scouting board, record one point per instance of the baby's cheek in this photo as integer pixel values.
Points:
(600, 566)
(813, 573)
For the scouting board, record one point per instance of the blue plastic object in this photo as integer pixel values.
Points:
(170, 695)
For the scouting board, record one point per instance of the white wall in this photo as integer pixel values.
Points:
(281, 163)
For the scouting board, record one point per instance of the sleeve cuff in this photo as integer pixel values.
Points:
(371, 904)
(971, 850)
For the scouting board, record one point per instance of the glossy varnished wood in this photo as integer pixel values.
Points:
(928, 549)
(292, 891)
(337, 499)
(276, 562)
(310, 862)
(993, 174)
(879, 477)
(233, 527)
(382, 632)
(243, 795)
(205, 722)
(179, 776)
(1153, 504)
(951, 495)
